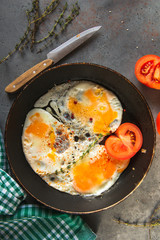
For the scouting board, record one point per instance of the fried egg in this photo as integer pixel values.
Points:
(61, 137)
(84, 104)
(97, 172)
(93, 107)
(49, 146)
(44, 142)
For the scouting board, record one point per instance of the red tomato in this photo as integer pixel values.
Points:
(147, 71)
(126, 143)
(158, 122)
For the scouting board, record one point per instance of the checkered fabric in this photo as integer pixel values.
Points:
(11, 194)
(3, 160)
(33, 222)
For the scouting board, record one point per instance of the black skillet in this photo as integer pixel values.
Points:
(136, 111)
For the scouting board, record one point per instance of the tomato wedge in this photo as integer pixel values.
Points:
(126, 143)
(158, 122)
(147, 71)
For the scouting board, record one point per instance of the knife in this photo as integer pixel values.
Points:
(52, 57)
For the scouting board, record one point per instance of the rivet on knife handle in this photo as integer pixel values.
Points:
(28, 75)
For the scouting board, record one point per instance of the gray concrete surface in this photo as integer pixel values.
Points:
(130, 29)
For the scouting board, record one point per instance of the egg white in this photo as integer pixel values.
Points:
(64, 181)
(55, 113)
(58, 97)
(37, 150)
(78, 90)
(96, 152)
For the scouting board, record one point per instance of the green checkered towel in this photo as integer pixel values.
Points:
(32, 222)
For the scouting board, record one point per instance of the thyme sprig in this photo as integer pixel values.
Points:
(63, 25)
(49, 9)
(35, 28)
(51, 33)
(151, 223)
(63, 170)
(22, 39)
(35, 19)
(72, 16)
(91, 146)
(25, 38)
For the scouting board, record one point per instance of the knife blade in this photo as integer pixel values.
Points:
(52, 57)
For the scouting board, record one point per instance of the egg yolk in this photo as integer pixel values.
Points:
(91, 174)
(52, 138)
(52, 155)
(97, 110)
(37, 126)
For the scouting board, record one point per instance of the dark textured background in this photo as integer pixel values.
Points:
(130, 29)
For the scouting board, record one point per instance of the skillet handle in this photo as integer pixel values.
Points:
(27, 76)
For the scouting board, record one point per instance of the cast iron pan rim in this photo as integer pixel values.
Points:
(99, 66)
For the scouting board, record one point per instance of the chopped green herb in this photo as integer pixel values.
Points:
(62, 171)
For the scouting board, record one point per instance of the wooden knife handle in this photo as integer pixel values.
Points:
(28, 75)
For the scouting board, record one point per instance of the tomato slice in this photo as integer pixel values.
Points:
(147, 71)
(117, 149)
(158, 122)
(126, 143)
(130, 135)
